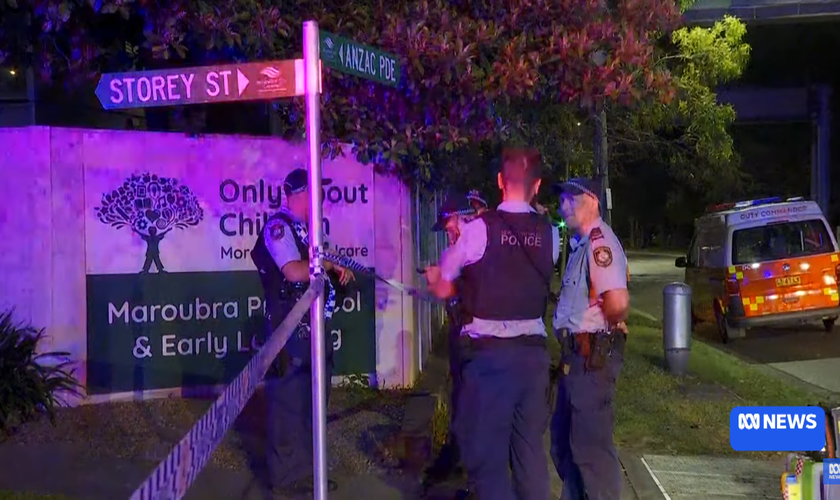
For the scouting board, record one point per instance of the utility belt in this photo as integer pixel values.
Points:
(477, 344)
(595, 347)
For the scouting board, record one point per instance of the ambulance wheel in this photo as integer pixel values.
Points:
(727, 332)
(828, 324)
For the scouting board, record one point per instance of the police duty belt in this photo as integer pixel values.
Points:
(348, 263)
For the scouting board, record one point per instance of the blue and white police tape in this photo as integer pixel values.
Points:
(174, 475)
(777, 428)
(355, 266)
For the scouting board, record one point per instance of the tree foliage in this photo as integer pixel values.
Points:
(460, 60)
(681, 154)
(691, 133)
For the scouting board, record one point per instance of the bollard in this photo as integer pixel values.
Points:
(676, 326)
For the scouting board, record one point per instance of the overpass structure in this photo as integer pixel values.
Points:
(762, 11)
(803, 105)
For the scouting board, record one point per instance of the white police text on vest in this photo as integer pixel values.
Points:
(521, 239)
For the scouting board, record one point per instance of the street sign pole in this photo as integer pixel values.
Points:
(312, 94)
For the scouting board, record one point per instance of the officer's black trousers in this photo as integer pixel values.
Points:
(289, 426)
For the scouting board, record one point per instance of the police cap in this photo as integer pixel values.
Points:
(454, 204)
(297, 181)
(476, 200)
(579, 185)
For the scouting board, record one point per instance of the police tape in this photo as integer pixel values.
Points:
(176, 473)
(353, 265)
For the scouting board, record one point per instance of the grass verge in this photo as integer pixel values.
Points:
(659, 413)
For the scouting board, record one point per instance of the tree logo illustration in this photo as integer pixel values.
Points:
(151, 206)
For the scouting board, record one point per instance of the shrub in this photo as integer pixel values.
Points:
(440, 423)
(31, 382)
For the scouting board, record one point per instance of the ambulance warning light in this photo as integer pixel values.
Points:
(750, 203)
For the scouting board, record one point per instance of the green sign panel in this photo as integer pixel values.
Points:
(165, 330)
(360, 60)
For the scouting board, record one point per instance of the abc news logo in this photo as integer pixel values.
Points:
(754, 421)
(777, 428)
(834, 469)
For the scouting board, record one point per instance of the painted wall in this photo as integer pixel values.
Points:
(88, 217)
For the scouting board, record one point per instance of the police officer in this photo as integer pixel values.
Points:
(477, 201)
(453, 212)
(588, 322)
(281, 255)
(505, 258)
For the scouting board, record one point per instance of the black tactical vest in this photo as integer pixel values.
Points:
(513, 279)
(281, 295)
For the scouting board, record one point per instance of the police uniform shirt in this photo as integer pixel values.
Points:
(469, 249)
(600, 253)
(280, 241)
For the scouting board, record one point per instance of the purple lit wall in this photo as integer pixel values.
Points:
(89, 218)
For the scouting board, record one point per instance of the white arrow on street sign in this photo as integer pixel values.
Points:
(241, 81)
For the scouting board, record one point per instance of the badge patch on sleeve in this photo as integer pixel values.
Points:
(596, 234)
(603, 256)
(276, 231)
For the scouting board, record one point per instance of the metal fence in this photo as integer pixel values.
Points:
(427, 249)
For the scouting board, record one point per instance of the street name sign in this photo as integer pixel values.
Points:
(265, 80)
(360, 60)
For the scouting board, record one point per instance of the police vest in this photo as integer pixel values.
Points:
(512, 280)
(281, 295)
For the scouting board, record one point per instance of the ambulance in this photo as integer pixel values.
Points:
(767, 262)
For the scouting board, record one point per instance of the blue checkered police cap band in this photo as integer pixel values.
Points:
(458, 213)
(296, 182)
(578, 186)
(474, 195)
(443, 216)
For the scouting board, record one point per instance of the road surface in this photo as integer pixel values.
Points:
(805, 352)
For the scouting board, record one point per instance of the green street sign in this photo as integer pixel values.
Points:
(356, 59)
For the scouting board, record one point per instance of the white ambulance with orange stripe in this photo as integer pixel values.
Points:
(765, 262)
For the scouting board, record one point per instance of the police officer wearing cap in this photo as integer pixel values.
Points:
(281, 255)
(477, 201)
(454, 211)
(589, 323)
(505, 258)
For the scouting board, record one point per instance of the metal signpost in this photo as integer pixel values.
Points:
(268, 81)
(311, 71)
(353, 58)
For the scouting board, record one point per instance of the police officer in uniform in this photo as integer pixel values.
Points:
(453, 212)
(589, 323)
(281, 255)
(505, 258)
(477, 201)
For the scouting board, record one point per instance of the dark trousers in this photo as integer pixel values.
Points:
(582, 445)
(289, 427)
(502, 417)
